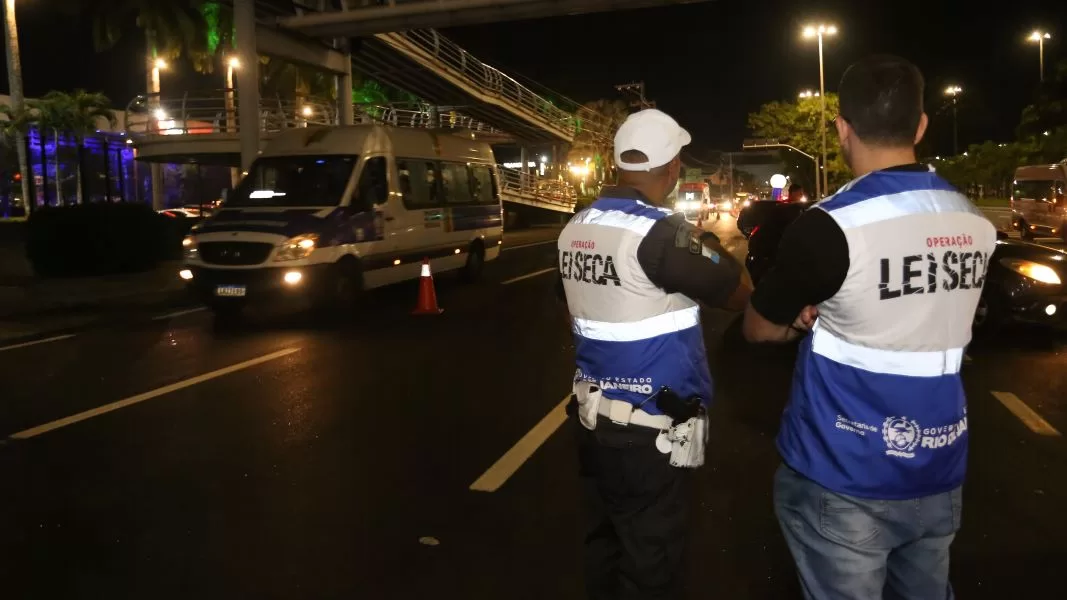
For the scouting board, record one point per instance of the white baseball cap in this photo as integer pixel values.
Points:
(653, 133)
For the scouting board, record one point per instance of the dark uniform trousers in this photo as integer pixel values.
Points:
(636, 509)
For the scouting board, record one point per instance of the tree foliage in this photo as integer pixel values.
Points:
(1042, 139)
(598, 121)
(797, 124)
(177, 27)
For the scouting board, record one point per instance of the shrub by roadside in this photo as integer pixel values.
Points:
(100, 239)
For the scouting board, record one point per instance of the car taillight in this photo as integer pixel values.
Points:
(754, 230)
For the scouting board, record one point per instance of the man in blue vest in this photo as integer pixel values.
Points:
(882, 279)
(632, 274)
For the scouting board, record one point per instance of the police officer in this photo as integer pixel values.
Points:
(632, 274)
(886, 274)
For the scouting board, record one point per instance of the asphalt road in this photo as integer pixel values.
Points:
(299, 457)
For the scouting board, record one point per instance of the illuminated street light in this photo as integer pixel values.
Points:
(306, 111)
(160, 64)
(809, 94)
(819, 31)
(234, 62)
(1040, 37)
(953, 91)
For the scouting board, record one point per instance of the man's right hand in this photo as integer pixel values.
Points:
(806, 319)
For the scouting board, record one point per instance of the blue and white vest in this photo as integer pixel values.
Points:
(877, 408)
(631, 337)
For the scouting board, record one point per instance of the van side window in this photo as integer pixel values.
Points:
(418, 183)
(373, 183)
(456, 183)
(482, 180)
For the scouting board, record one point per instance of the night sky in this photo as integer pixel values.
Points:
(708, 64)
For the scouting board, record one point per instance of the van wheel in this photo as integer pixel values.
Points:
(344, 286)
(472, 271)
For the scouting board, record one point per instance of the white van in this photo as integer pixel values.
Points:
(1037, 203)
(333, 211)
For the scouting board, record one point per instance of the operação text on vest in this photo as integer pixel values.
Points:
(931, 272)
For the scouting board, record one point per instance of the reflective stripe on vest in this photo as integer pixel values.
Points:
(877, 408)
(631, 337)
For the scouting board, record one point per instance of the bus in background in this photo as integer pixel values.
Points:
(1037, 203)
(329, 212)
(694, 200)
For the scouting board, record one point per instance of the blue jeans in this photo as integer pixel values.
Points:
(849, 548)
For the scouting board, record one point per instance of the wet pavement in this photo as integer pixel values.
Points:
(302, 457)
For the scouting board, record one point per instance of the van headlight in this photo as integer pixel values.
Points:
(296, 248)
(1032, 270)
(189, 249)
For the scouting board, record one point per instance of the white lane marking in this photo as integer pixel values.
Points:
(528, 275)
(179, 313)
(530, 245)
(507, 465)
(36, 342)
(1024, 413)
(100, 410)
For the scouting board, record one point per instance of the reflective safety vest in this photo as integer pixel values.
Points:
(631, 337)
(877, 408)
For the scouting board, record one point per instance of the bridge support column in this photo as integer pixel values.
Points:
(247, 81)
(346, 112)
(524, 158)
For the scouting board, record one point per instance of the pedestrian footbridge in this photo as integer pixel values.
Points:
(203, 128)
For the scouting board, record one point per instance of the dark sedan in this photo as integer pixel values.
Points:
(1025, 283)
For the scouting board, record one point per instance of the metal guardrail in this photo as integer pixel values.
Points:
(215, 111)
(528, 185)
(485, 78)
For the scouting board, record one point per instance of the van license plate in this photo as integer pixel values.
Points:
(231, 291)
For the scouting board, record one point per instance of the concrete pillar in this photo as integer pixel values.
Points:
(155, 170)
(524, 171)
(344, 93)
(247, 81)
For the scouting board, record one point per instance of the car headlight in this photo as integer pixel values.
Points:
(727, 205)
(189, 249)
(747, 203)
(297, 247)
(1033, 270)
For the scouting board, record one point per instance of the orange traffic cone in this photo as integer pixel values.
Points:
(427, 295)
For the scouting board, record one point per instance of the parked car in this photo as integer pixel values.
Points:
(1024, 283)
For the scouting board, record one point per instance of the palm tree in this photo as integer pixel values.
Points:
(14, 127)
(79, 114)
(52, 114)
(14, 78)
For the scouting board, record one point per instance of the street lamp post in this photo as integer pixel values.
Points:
(231, 111)
(953, 91)
(818, 177)
(156, 108)
(818, 32)
(1040, 37)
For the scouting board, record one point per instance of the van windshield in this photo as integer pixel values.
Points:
(1038, 189)
(294, 181)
